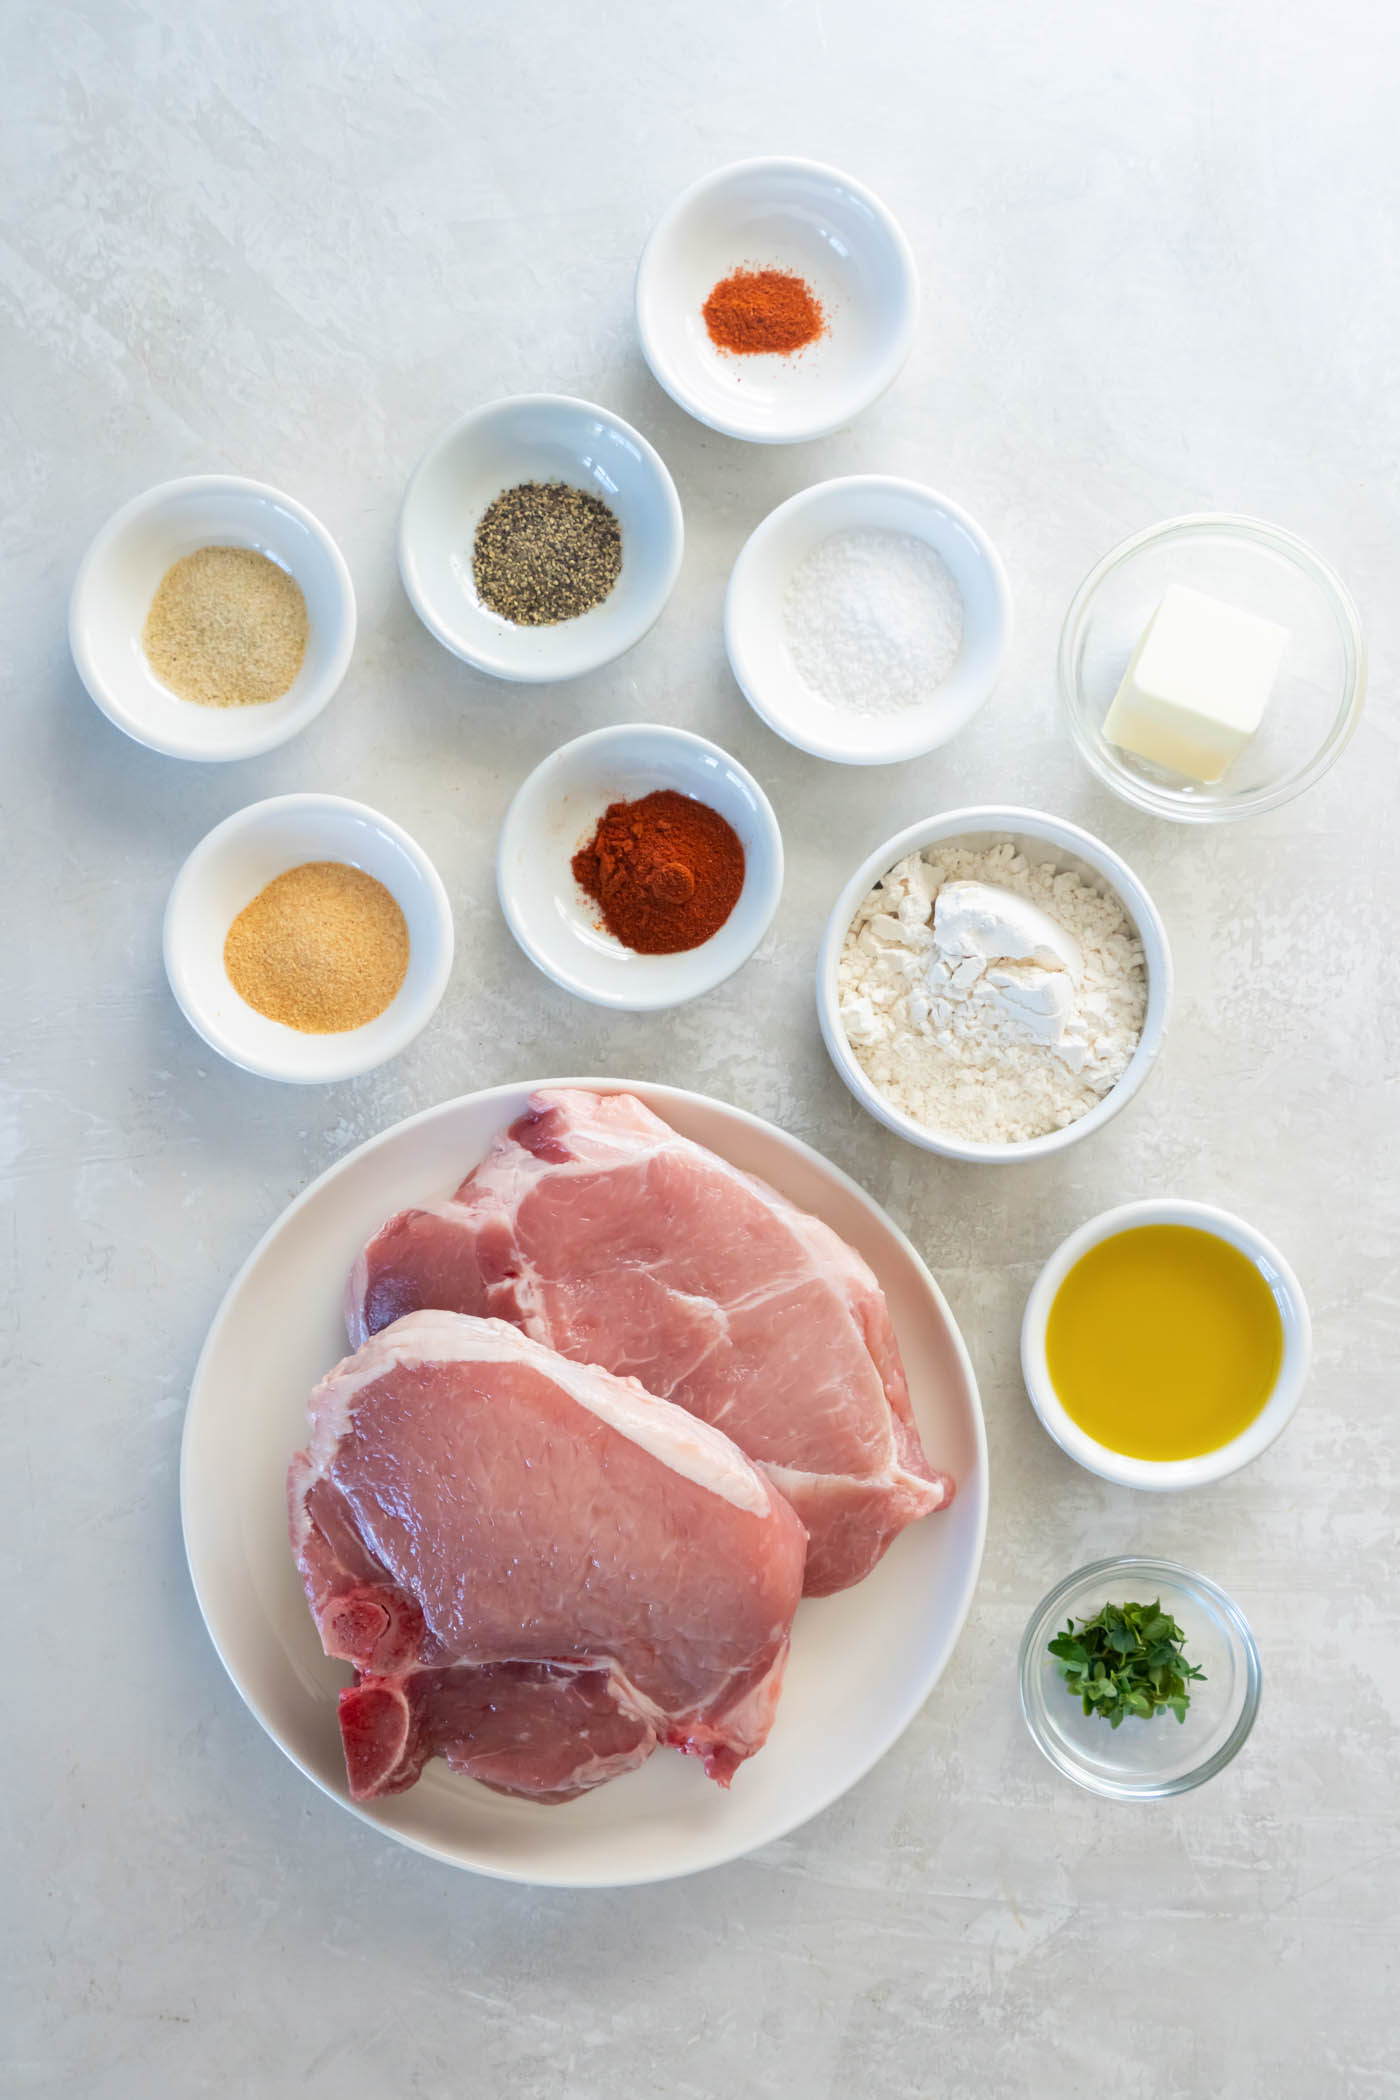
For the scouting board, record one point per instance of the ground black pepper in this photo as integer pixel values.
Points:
(545, 552)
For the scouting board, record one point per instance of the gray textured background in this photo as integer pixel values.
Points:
(1157, 244)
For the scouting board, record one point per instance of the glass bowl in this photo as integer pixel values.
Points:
(1143, 1760)
(1316, 701)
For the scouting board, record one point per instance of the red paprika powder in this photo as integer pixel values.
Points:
(753, 311)
(666, 872)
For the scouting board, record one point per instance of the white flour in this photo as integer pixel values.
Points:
(994, 1048)
(873, 620)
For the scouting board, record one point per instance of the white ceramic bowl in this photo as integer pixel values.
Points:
(538, 437)
(756, 639)
(236, 860)
(554, 813)
(1040, 837)
(117, 581)
(790, 215)
(1178, 1472)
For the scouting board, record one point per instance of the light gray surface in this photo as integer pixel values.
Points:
(1156, 246)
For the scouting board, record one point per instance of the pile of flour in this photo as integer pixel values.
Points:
(952, 1037)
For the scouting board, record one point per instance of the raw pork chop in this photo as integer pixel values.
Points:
(596, 1228)
(538, 1570)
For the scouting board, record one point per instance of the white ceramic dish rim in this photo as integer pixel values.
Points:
(927, 713)
(1162, 802)
(264, 736)
(580, 662)
(884, 370)
(705, 975)
(1164, 1475)
(1048, 1612)
(919, 1690)
(1048, 830)
(387, 1042)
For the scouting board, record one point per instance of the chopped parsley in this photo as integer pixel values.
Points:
(1127, 1661)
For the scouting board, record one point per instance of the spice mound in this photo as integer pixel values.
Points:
(665, 871)
(752, 313)
(990, 998)
(873, 620)
(545, 552)
(323, 948)
(226, 628)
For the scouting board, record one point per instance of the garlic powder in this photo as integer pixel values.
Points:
(985, 1046)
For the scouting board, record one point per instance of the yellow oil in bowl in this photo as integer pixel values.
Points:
(1163, 1342)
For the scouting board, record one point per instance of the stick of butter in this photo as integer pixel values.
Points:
(1198, 683)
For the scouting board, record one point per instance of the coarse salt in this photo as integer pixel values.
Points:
(990, 1048)
(873, 621)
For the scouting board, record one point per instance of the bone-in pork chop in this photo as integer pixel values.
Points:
(538, 1570)
(596, 1228)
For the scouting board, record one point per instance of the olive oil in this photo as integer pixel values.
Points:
(1163, 1342)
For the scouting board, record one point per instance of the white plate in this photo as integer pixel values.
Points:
(862, 1663)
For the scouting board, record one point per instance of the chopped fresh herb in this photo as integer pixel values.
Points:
(1127, 1660)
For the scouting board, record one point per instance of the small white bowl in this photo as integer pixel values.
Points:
(118, 578)
(538, 437)
(554, 813)
(756, 638)
(236, 860)
(789, 215)
(1040, 837)
(1177, 1472)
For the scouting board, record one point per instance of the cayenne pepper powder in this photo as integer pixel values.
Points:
(665, 871)
(753, 311)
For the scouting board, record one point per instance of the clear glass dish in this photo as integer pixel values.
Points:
(1143, 1760)
(1316, 701)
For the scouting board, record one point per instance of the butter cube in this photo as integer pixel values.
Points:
(1199, 681)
